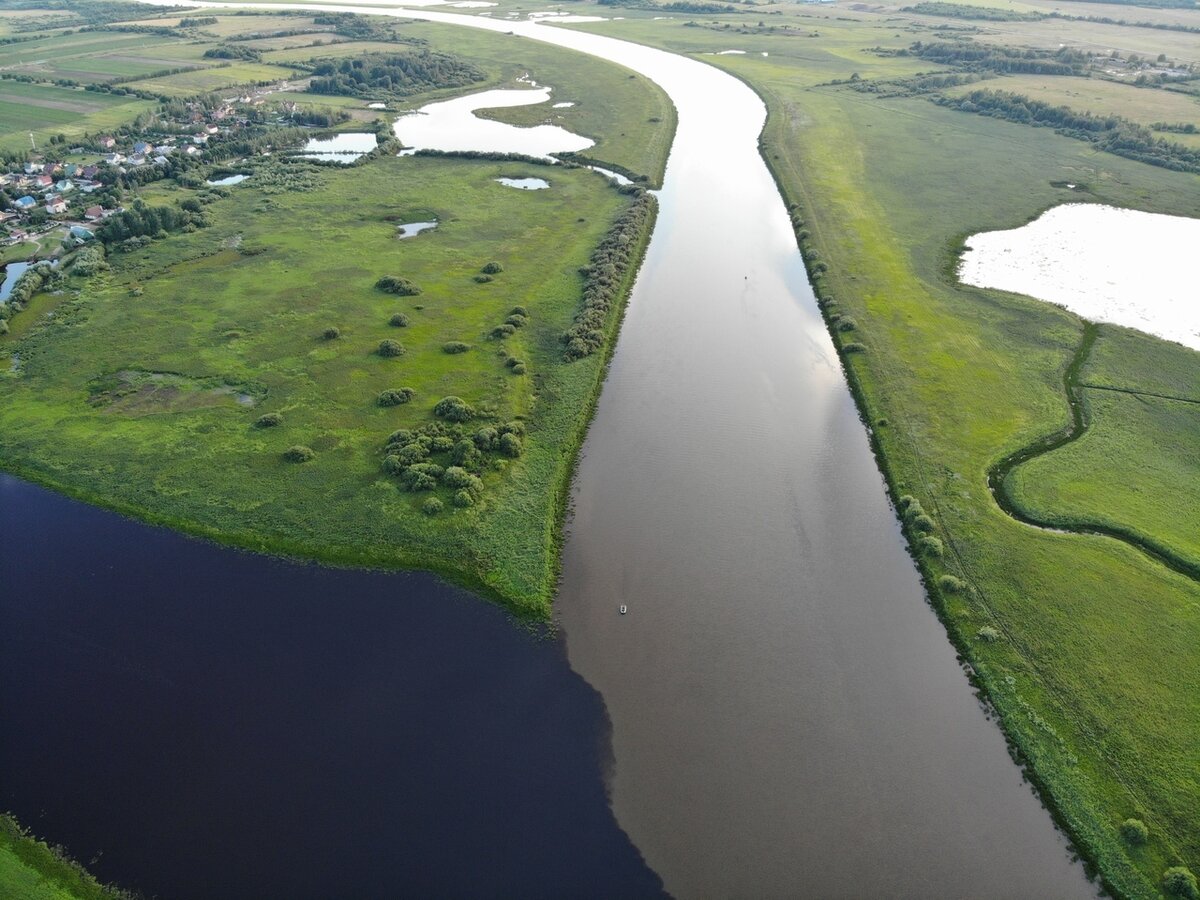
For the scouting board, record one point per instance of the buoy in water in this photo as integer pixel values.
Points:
(624, 609)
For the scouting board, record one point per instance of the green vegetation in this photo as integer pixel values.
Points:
(31, 870)
(980, 13)
(397, 74)
(228, 329)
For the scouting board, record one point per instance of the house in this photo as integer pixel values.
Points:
(32, 168)
(138, 159)
(17, 234)
(141, 148)
(164, 150)
(211, 129)
(200, 138)
(107, 142)
(88, 186)
(43, 181)
(160, 160)
(53, 168)
(26, 202)
(191, 150)
(55, 205)
(70, 170)
(94, 213)
(65, 186)
(113, 159)
(90, 172)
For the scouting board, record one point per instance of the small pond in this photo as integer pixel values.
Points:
(452, 125)
(524, 184)
(377, 105)
(1121, 266)
(564, 105)
(412, 229)
(343, 148)
(227, 181)
(12, 274)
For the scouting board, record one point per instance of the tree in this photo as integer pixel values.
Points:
(331, 334)
(390, 348)
(393, 284)
(269, 420)
(399, 320)
(454, 409)
(1178, 881)
(492, 268)
(1134, 832)
(395, 396)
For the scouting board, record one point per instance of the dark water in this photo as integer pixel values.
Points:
(217, 724)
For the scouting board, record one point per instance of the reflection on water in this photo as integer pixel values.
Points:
(451, 125)
(524, 184)
(342, 148)
(210, 723)
(227, 180)
(1122, 266)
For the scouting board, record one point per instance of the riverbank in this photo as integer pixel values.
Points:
(30, 869)
(926, 359)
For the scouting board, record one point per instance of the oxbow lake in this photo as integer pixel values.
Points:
(1123, 266)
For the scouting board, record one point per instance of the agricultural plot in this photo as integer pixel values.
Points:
(186, 84)
(1097, 96)
(47, 110)
(91, 57)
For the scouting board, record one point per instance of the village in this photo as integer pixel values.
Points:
(51, 203)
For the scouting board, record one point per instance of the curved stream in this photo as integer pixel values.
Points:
(788, 717)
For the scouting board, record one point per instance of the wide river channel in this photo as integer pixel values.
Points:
(779, 714)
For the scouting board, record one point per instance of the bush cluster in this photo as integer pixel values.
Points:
(492, 268)
(437, 455)
(399, 320)
(299, 453)
(604, 276)
(395, 396)
(453, 409)
(268, 420)
(394, 284)
(389, 348)
(455, 347)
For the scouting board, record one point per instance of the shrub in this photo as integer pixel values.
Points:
(483, 279)
(854, 347)
(399, 320)
(931, 546)
(512, 361)
(402, 287)
(432, 506)
(455, 409)
(1134, 832)
(421, 477)
(460, 478)
(510, 445)
(401, 436)
(268, 420)
(3, 326)
(515, 321)
(492, 268)
(922, 523)
(395, 396)
(331, 334)
(503, 331)
(392, 464)
(441, 444)
(988, 634)
(845, 323)
(299, 453)
(519, 369)
(455, 347)
(950, 584)
(463, 499)
(466, 454)
(1178, 881)
(519, 311)
(390, 348)
(486, 438)
(411, 454)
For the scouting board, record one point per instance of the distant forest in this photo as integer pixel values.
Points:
(994, 58)
(399, 73)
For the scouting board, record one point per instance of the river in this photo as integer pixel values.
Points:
(788, 718)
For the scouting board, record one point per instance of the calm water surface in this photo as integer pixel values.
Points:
(788, 717)
(211, 723)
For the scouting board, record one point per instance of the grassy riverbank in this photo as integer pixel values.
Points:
(145, 392)
(1087, 646)
(31, 870)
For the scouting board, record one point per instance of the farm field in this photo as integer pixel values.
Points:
(187, 84)
(1143, 105)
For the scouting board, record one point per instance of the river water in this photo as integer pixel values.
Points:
(788, 718)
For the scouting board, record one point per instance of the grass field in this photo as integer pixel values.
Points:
(29, 870)
(1096, 672)
(1098, 96)
(186, 84)
(253, 317)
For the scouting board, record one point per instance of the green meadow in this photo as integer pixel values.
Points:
(30, 870)
(162, 367)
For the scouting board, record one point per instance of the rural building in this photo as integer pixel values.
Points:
(55, 205)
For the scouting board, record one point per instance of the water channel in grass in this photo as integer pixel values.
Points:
(788, 717)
